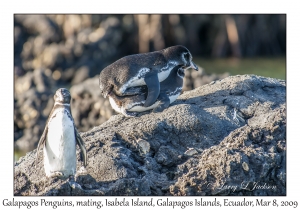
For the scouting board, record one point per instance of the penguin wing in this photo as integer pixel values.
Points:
(41, 143)
(152, 82)
(80, 142)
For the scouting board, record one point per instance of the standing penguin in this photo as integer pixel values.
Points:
(59, 139)
(170, 89)
(143, 69)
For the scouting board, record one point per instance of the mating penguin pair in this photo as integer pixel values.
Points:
(59, 139)
(122, 81)
(170, 89)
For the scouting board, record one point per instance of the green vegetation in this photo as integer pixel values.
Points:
(18, 154)
(267, 67)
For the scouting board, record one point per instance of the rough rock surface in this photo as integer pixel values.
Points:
(33, 104)
(224, 138)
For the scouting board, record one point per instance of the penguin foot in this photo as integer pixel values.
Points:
(73, 184)
(158, 109)
(56, 174)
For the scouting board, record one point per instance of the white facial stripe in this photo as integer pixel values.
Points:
(182, 57)
(191, 63)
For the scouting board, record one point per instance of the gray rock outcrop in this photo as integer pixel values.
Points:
(224, 138)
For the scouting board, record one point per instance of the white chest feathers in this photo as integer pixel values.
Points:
(60, 148)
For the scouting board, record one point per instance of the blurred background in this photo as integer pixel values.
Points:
(54, 51)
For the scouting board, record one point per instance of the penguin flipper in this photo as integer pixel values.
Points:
(41, 144)
(153, 85)
(164, 102)
(80, 142)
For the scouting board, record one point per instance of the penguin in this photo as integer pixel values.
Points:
(170, 89)
(143, 69)
(59, 139)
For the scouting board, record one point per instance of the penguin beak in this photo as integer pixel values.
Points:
(194, 66)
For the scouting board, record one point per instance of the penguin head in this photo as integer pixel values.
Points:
(105, 86)
(186, 58)
(62, 95)
(183, 56)
(105, 89)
